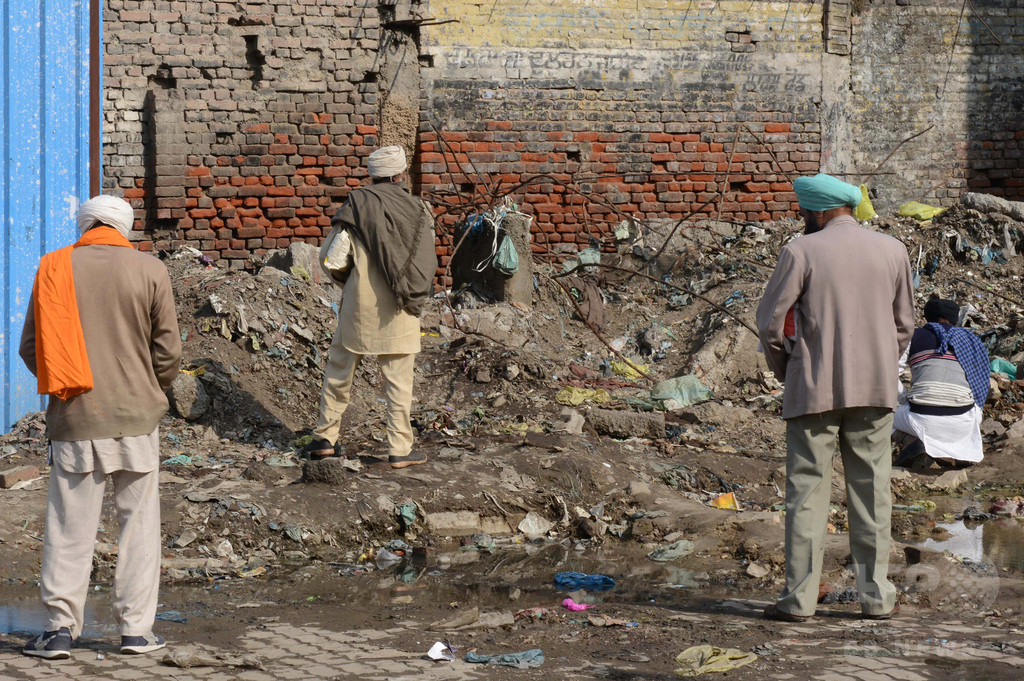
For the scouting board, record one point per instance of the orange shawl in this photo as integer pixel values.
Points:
(62, 365)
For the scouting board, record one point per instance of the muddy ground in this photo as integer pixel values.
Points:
(515, 491)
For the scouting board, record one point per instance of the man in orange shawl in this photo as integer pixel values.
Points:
(101, 336)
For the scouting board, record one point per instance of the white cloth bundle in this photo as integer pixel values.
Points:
(336, 255)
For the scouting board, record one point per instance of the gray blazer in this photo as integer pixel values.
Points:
(854, 296)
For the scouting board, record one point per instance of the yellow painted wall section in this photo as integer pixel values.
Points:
(624, 24)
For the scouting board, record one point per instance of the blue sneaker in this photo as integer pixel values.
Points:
(50, 645)
(137, 645)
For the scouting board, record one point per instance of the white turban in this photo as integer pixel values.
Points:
(387, 162)
(110, 210)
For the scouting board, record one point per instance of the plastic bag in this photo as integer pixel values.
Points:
(506, 259)
(336, 256)
(685, 390)
(1002, 366)
(919, 211)
(864, 210)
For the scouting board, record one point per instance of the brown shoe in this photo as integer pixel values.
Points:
(410, 459)
(772, 612)
(884, 616)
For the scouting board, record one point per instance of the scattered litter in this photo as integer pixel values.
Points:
(573, 396)
(626, 371)
(605, 621)
(190, 658)
(530, 614)
(573, 606)
(172, 616)
(674, 551)
(846, 595)
(523, 660)
(574, 581)
(758, 570)
(681, 391)
(727, 500)
(441, 652)
(179, 460)
(704, 659)
(535, 525)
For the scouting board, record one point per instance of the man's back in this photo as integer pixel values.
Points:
(131, 336)
(853, 294)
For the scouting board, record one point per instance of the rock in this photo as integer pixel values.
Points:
(12, 476)
(949, 481)
(185, 538)
(454, 523)
(535, 525)
(638, 488)
(188, 397)
(330, 471)
(588, 528)
(758, 570)
(482, 375)
(570, 422)
(298, 254)
(627, 424)
(987, 203)
(992, 427)
(1015, 431)
(651, 339)
(224, 549)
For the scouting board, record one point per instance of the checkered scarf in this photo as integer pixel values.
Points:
(971, 354)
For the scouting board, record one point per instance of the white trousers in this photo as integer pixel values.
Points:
(72, 518)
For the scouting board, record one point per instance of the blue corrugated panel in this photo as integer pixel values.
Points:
(44, 85)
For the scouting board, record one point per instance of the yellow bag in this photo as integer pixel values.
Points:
(919, 211)
(864, 210)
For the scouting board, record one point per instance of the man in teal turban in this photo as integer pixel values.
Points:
(821, 195)
(854, 301)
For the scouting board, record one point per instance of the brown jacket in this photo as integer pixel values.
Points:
(131, 336)
(855, 314)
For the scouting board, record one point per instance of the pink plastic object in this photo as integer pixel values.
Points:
(574, 606)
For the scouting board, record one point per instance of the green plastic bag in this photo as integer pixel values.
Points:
(685, 390)
(506, 259)
(864, 210)
(1002, 366)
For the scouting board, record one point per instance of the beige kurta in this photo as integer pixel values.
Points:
(853, 291)
(370, 321)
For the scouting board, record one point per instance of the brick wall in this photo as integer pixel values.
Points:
(238, 126)
(909, 74)
(232, 126)
(654, 109)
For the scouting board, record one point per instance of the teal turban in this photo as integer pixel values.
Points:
(824, 192)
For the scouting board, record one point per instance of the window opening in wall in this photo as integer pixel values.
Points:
(162, 78)
(254, 59)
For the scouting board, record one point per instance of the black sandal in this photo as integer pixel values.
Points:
(321, 449)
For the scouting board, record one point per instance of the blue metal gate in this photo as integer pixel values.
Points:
(44, 86)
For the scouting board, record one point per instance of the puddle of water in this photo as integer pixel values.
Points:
(509, 579)
(23, 612)
(999, 542)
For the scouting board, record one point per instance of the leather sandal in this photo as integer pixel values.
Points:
(321, 449)
(773, 612)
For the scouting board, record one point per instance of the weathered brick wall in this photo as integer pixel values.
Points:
(641, 104)
(232, 126)
(238, 126)
(908, 74)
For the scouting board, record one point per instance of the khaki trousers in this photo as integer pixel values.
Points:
(863, 434)
(337, 391)
(72, 518)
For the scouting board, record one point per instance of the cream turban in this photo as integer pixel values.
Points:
(387, 162)
(110, 210)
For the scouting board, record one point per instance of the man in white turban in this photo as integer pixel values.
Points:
(394, 263)
(101, 337)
